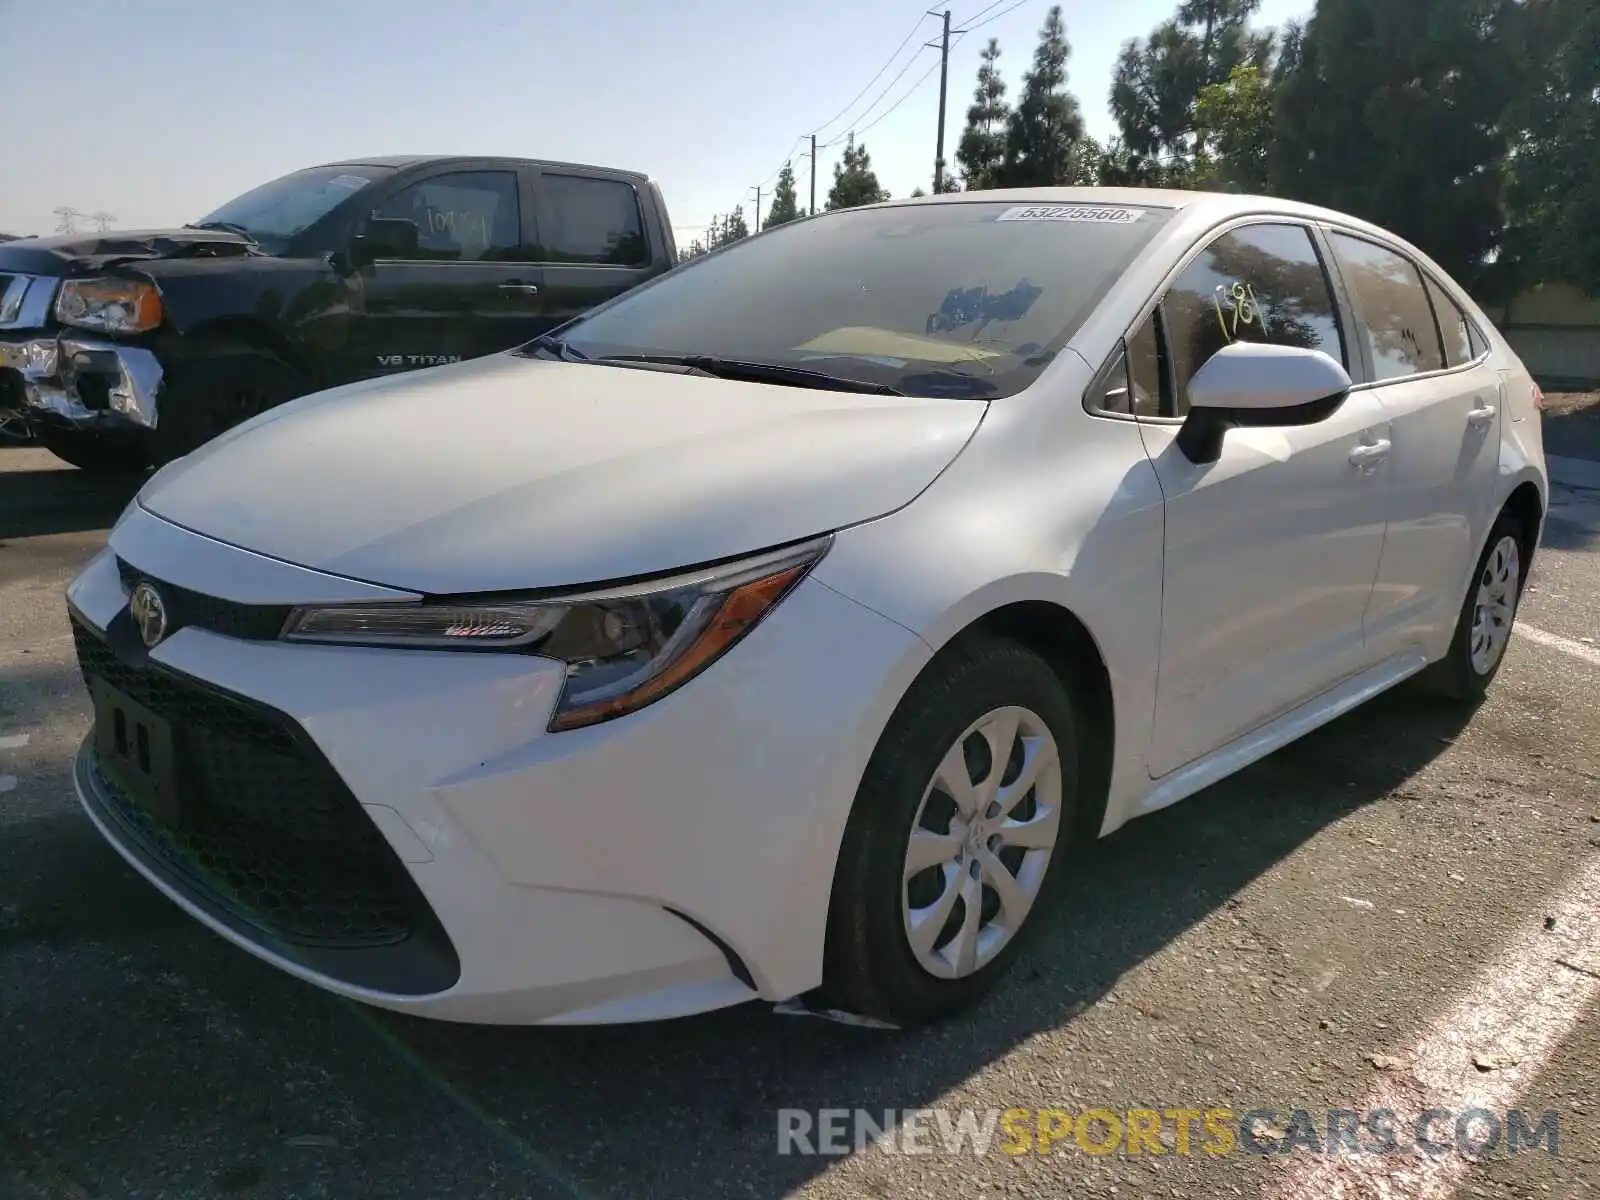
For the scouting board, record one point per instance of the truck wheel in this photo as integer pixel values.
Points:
(104, 453)
(204, 399)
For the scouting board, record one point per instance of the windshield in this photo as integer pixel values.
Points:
(953, 299)
(274, 212)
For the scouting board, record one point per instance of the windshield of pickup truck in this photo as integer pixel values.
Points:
(969, 299)
(275, 212)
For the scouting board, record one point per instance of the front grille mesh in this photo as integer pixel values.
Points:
(269, 832)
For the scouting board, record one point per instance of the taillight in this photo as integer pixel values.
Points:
(1538, 398)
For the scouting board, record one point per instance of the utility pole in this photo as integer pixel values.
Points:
(758, 209)
(944, 74)
(813, 211)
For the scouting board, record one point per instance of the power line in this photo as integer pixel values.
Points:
(926, 75)
(881, 96)
(876, 77)
(981, 11)
(996, 17)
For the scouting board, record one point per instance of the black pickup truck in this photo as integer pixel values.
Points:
(126, 350)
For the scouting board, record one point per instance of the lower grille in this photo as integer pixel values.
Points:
(269, 836)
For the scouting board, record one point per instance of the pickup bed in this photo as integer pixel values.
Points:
(125, 350)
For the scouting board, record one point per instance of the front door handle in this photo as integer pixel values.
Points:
(1481, 415)
(531, 289)
(1369, 454)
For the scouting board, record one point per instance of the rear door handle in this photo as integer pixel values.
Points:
(531, 289)
(1370, 453)
(1481, 415)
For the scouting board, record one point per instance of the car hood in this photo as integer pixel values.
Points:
(508, 473)
(78, 253)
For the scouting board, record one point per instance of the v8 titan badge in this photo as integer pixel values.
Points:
(149, 613)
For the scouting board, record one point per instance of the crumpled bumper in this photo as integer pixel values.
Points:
(83, 382)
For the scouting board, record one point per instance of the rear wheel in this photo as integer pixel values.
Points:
(1483, 628)
(955, 843)
(103, 453)
(205, 398)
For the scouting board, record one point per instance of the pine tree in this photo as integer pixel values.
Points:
(785, 205)
(982, 149)
(854, 182)
(1157, 83)
(1047, 122)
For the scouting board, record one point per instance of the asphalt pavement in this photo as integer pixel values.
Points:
(1399, 909)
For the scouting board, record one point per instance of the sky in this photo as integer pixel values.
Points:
(159, 111)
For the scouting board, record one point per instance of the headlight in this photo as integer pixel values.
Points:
(624, 647)
(109, 305)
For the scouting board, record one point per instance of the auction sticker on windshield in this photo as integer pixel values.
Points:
(1070, 212)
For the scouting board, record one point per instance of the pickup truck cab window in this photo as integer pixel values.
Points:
(468, 216)
(591, 221)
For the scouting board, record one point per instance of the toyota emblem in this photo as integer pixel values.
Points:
(149, 613)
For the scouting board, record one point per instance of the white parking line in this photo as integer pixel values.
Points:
(1511, 1018)
(14, 741)
(1555, 641)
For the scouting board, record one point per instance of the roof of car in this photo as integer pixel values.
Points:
(400, 162)
(1218, 205)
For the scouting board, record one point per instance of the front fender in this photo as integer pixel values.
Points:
(1075, 522)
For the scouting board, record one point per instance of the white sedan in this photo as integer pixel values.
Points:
(777, 628)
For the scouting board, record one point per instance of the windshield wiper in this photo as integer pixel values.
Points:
(554, 345)
(228, 226)
(760, 372)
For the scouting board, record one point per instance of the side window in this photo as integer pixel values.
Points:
(591, 221)
(1475, 336)
(1393, 306)
(1261, 283)
(1131, 382)
(465, 217)
(1454, 327)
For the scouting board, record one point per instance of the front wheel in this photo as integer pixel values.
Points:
(955, 843)
(102, 453)
(1483, 628)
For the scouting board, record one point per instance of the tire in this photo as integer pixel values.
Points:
(871, 966)
(102, 453)
(1476, 652)
(205, 398)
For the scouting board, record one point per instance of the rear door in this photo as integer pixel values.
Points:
(471, 288)
(593, 240)
(1430, 372)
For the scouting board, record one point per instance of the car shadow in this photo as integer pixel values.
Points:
(34, 503)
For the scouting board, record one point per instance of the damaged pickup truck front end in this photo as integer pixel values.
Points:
(80, 322)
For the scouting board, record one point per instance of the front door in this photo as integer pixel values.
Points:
(470, 289)
(1271, 551)
(1444, 404)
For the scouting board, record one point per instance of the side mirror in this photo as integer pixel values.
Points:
(382, 237)
(1252, 384)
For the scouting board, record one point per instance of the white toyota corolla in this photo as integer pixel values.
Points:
(781, 624)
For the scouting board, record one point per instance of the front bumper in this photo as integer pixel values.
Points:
(673, 861)
(79, 382)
